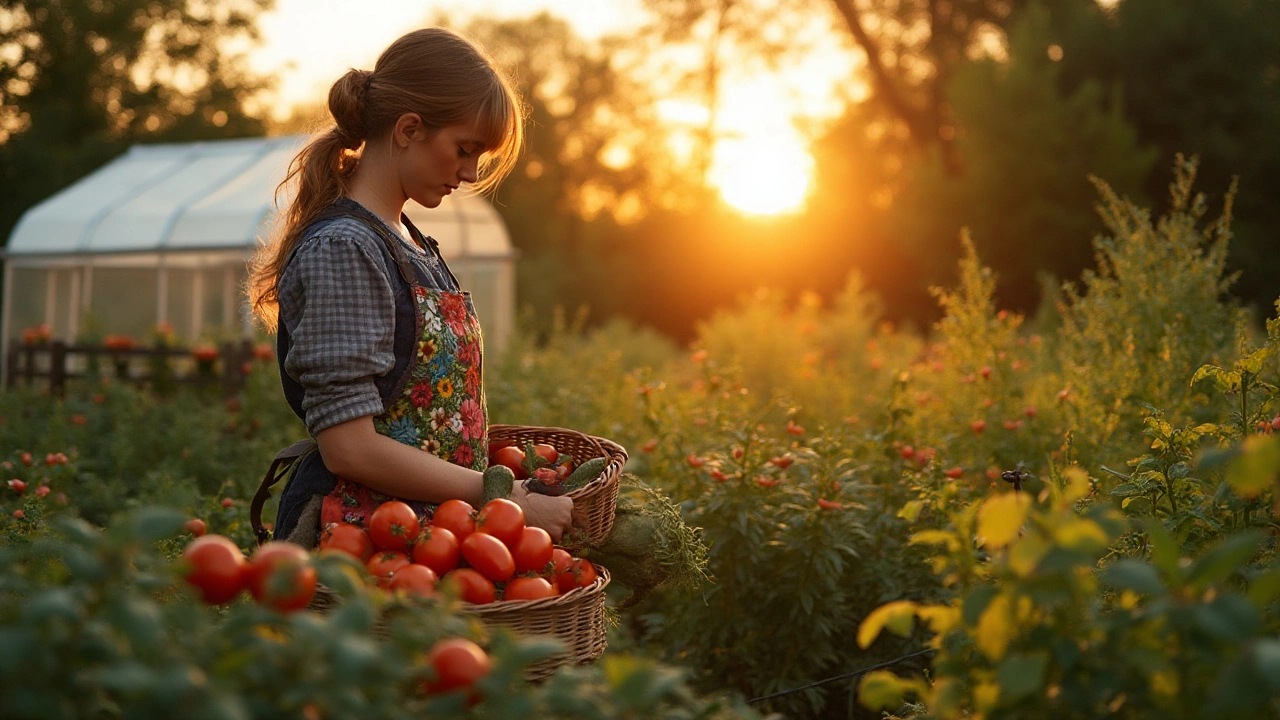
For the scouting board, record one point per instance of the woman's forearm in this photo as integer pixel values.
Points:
(355, 451)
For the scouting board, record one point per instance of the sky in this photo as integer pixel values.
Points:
(307, 44)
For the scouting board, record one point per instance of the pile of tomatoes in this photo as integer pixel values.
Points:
(533, 458)
(487, 555)
(278, 574)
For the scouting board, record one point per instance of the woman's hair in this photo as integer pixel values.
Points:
(432, 72)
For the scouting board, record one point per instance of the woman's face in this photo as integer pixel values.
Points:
(434, 164)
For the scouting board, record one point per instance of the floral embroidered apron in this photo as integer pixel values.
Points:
(440, 410)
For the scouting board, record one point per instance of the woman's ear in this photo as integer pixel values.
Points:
(409, 128)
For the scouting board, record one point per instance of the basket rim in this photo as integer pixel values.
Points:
(616, 453)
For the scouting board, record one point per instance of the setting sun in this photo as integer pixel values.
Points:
(762, 175)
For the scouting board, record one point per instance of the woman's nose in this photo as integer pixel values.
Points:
(468, 172)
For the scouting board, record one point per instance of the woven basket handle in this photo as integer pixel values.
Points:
(279, 468)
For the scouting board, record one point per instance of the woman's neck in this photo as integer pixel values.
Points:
(374, 185)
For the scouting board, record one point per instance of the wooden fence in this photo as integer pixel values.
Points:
(59, 362)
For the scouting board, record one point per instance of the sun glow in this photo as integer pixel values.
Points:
(762, 174)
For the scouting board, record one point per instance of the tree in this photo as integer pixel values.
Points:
(1201, 79)
(83, 80)
(1028, 150)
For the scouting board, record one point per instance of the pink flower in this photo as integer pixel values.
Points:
(469, 352)
(472, 419)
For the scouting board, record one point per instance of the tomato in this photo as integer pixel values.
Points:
(487, 554)
(280, 576)
(349, 539)
(502, 519)
(195, 526)
(512, 457)
(471, 586)
(561, 561)
(216, 567)
(437, 548)
(458, 664)
(548, 452)
(533, 551)
(580, 573)
(456, 516)
(954, 473)
(529, 588)
(393, 526)
(385, 564)
(826, 504)
(414, 580)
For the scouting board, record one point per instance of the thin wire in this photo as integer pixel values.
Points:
(855, 673)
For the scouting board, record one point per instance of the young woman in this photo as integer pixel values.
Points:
(380, 351)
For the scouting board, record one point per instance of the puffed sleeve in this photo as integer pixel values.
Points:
(339, 308)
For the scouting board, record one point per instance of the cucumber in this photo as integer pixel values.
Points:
(498, 481)
(585, 473)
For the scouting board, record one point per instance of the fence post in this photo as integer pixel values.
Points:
(11, 366)
(57, 367)
(29, 371)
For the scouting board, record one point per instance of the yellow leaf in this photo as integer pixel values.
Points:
(1257, 466)
(996, 628)
(940, 618)
(911, 510)
(985, 695)
(1077, 483)
(936, 537)
(1001, 516)
(881, 690)
(898, 616)
(1026, 553)
(1082, 535)
(1165, 683)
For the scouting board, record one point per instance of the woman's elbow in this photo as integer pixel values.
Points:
(341, 445)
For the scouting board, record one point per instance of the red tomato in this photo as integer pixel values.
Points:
(561, 564)
(548, 452)
(954, 473)
(195, 526)
(393, 526)
(216, 567)
(529, 588)
(487, 554)
(512, 457)
(502, 519)
(437, 548)
(280, 576)
(458, 663)
(471, 586)
(349, 539)
(581, 573)
(385, 564)
(533, 551)
(456, 516)
(414, 580)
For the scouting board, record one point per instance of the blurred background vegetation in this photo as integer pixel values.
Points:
(985, 114)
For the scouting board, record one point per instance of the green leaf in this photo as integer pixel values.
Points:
(1256, 468)
(975, 603)
(1266, 655)
(1165, 551)
(1134, 575)
(1217, 564)
(1125, 490)
(1022, 675)
(153, 523)
(1265, 588)
(1254, 361)
(911, 510)
(1229, 618)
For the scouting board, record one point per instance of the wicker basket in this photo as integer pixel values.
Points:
(594, 503)
(576, 618)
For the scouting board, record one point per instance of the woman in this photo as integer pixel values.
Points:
(379, 349)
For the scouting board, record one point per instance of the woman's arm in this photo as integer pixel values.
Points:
(355, 451)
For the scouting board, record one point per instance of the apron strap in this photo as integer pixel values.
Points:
(279, 468)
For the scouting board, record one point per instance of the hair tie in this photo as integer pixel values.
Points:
(367, 82)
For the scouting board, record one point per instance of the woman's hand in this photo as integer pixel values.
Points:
(553, 514)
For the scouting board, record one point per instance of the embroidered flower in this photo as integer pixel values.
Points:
(445, 388)
(455, 423)
(469, 352)
(431, 445)
(463, 455)
(473, 381)
(421, 395)
(403, 431)
(472, 419)
(427, 349)
(439, 419)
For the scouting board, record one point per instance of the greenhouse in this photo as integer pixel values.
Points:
(162, 234)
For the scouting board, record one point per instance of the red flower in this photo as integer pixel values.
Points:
(463, 455)
(766, 482)
(421, 395)
(650, 446)
(472, 420)
(695, 461)
(472, 380)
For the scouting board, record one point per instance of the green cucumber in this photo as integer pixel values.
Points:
(585, 473)
(498, 481)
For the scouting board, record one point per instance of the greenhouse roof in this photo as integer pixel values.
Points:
(210, 196)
